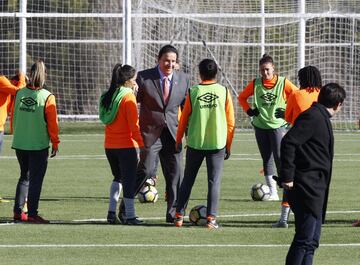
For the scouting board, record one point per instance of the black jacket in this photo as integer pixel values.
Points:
(306, 158)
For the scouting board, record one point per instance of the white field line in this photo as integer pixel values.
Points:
(167, 245)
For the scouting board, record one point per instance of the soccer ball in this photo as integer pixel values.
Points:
(148, 194)
(260, 192)
(197, 215)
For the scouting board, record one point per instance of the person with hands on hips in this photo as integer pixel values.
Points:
(208, 115)
(34, 123)
(270, 93)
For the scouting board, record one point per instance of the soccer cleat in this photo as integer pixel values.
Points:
(178, 220)
(112, 218)
(37, 219)
(133, 221)
(280, 224)
(357, 224)
(20, 217)
(211, 223)
(274, 197)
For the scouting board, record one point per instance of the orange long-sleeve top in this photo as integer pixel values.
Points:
(300, 101)
(7, 90)
(51, 120)
(124, 131)
(268, 84)
(230, 119)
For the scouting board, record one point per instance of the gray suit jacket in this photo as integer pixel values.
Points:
(154, 114)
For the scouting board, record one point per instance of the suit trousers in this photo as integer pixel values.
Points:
(33, 165)
(171, 164)
(306, 239)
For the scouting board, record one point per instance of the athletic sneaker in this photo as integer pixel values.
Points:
(211, 223)
(279, 224)
(20, 217)
(112, 218)
(133, 221)
(178, 220)
(37, 219)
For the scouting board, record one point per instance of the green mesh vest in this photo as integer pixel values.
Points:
(267, 101)
(29, 124)
(207, 128)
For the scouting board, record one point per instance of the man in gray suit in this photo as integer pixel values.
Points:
(161, 94)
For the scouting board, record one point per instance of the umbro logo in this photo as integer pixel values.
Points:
(28, 102)
(208, 97)
(268, 97)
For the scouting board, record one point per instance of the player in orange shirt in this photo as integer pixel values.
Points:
(299, 101)
(270, 92)
(8, 89)
(118, 111)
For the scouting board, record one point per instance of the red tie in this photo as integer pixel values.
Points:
(166, 89)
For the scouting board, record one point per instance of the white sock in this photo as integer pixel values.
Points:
(272, 184)
(115, 190)
(129, 208)
(285, 211)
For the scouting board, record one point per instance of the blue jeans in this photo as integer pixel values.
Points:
(306, 239)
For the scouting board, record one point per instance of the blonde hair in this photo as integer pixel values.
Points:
(38, 74)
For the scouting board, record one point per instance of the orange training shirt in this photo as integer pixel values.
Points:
(7, 89)
(230, 119)
(269, 84)
(300, 101)
(124, 131)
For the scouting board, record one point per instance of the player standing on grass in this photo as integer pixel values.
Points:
(35, 124)
(299, 101)
(118, 111)
(270, 92)
(307, 152)
(208, 116)
(7, 90)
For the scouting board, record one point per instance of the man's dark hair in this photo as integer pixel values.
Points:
(166, 49)
(331, 95)
(208, 69)
(309, 76)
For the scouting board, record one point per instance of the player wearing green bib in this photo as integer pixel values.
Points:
(209, 116)
(35, 124)
(270, 93)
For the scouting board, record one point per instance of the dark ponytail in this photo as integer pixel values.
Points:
(120, 74)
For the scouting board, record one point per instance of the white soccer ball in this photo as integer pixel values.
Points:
(260, 192)
(148, 194)
(198, 214)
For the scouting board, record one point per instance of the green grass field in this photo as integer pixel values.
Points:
(75, 199)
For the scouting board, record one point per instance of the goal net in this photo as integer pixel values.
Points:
(80, 41)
